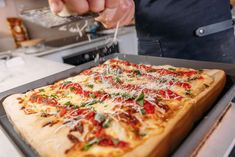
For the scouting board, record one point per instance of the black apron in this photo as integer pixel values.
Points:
(167, 28)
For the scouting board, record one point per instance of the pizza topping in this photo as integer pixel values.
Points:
(149, 107)
(51, 123)
(115, 103)
(73, 138)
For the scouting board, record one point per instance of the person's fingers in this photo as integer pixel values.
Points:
(96, 5)
(123, 14)
(80, 7)
(112, 3)
(56, 5)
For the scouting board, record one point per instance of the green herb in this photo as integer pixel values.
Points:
(99, 117)
(53, 96)
(192, 79)
(137, 72)
(87, 146)
(142, 134)
(90, 103)
(130, 80)
(140, 99)
(106, 123)
(126, 95)
(68, 104)
(118, 80)
(67, 82)
(41, 90)
(172, 69)
(200, 70)
(72, 89)
(206, 85)
(92, 96)
(75, 106)
(188, 92)
(90, 85)
(143, 111)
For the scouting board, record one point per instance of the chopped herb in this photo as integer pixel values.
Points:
(200, 70)
(68, 104)
(192, 79)
(90, 103)
(140, 99)
(86, 147)
(53, 96)
(137, 72)
(142, 134)
(172, 69)
(143, 111)
(130, 80)
(92, 96)
(206, 85)
(126, 95)
(106, 123)
(72, 89)
(90, 85)
(118, 80)
(75, 106)
(41, 90)
(99, 117)
(67, 82)
(188, 92)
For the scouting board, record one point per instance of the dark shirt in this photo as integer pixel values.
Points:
(178, 18)
(167, 28)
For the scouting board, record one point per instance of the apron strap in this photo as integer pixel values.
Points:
(215, 28)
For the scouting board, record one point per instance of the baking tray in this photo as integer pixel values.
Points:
(190, 143)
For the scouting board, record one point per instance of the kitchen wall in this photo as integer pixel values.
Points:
(13, 8)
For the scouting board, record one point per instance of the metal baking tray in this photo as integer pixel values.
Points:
(190, 143)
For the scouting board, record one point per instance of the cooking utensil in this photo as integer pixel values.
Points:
(44, 17)
(191, 142)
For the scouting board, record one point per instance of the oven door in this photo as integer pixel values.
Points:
(90, 54)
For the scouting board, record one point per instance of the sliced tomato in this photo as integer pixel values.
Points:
(149, 108)
(63, 111)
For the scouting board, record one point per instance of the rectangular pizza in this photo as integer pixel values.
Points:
(115, 109)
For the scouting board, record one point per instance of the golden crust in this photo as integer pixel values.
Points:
(159, 145)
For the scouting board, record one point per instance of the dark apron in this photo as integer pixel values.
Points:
(171, 28)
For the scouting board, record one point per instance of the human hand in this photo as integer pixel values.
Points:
(110, 12)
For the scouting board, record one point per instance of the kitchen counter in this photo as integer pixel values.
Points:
(28, 70)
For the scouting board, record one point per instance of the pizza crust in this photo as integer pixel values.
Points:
(179, 126)
(29, 126)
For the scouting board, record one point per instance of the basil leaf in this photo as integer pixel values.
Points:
(140, 99)
(106, 123)
(118, 80)
(72, 89)
(143, 112)
(68, 104)
(90, 85)
(89, 103)
(41, 90)
(67, 82)
(137, 72)
(86, 147)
